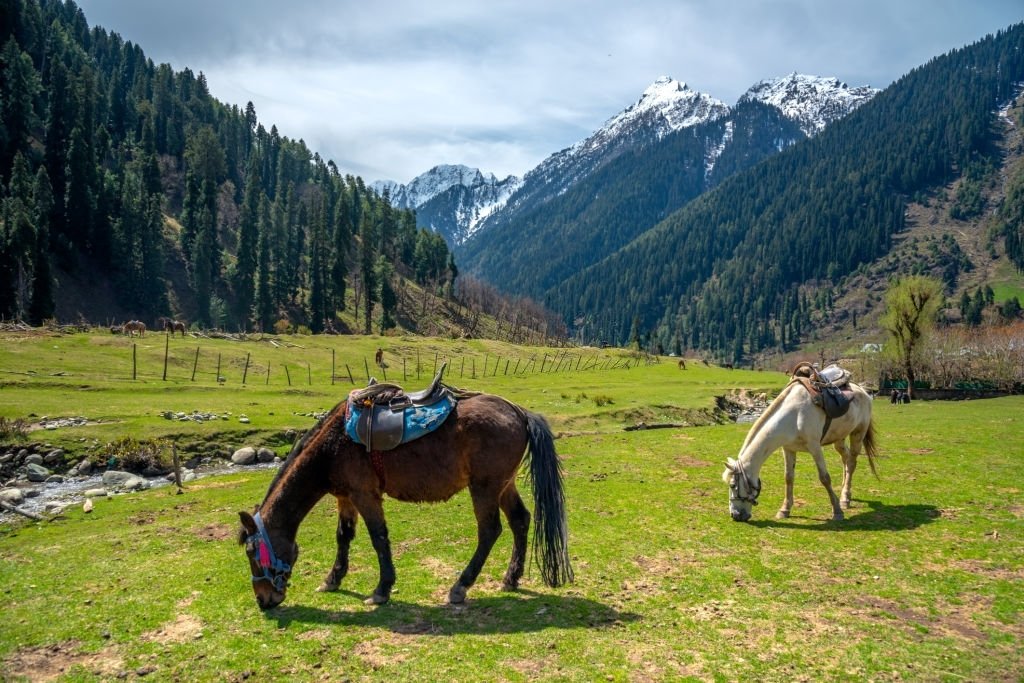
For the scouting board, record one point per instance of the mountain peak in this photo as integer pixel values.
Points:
(812, 101)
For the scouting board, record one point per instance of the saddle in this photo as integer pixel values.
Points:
(829, 389)
(383, 416)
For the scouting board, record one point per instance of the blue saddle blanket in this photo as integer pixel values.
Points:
(381, 428)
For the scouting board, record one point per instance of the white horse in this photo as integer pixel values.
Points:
(794, 423)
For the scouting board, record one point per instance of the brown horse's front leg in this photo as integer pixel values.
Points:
(372, 510)
(347, 517)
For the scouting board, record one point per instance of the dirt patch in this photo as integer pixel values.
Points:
(920, 451)
(54, 661)
(690, 461)
(216, 532)
(532, 669)
(956, 621)
(183, 629)
(989, 569)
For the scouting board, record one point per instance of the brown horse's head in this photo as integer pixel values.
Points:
(270, 570)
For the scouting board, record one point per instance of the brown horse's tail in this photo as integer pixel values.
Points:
(550, 533)
(870, 447)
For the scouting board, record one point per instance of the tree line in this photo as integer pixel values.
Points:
(733, 270)
(113, 166)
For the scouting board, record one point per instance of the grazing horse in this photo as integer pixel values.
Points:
(378, 358)
(794, 423)
(171, 325)
(481, 446)
(133, 328)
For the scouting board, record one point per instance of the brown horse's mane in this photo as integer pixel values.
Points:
(298, 447)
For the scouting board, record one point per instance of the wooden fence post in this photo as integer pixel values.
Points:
(332, 366)
(167, 348)
(245, 372)
(287, 374)
(195, 364)
(134, 362)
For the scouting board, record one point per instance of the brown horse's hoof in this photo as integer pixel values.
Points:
(375, 600)
(457, 595)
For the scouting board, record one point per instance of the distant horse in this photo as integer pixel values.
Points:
(794, 423)
(171, 325)
(682, 364)
(378, 358)
(480, 445)
(133, 328)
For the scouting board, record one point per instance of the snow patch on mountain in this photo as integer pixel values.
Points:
(812, 101)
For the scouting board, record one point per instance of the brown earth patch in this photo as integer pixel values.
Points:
(533, 669)
(319, 634)
(216, 532)
(183, 629)
(50, 662)
(955, 621)
(990, 569)
(920, 451)
(690, 461)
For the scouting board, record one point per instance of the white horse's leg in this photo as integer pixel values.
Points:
(826, 480)
(787, 503)
(849, 465)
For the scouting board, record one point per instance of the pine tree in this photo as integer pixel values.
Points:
(387, 297)
(248, 244)
(42, 304)
(264, 303)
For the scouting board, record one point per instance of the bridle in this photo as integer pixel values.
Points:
(275, 570)
(753, 489)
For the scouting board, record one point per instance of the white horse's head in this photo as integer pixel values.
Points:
(743, 493)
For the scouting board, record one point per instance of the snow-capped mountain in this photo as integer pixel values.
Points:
(811, 101)
(463, 203)
(450, 199)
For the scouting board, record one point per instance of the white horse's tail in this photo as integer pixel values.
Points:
(870, 447)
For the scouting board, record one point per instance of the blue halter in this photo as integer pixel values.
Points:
(274, 569)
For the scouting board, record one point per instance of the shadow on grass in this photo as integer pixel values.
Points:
(879, 516)
(521, 612)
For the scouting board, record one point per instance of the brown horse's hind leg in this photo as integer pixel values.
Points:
(519, 521)
(347, 518)
(488, 528)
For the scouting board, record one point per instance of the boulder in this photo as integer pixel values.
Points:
(95, 493)
(116, 478)
(36, 472)
(265, 455)
(53, 457)
(84, 468)
(244, 456)
(33, 459)
(12, 495)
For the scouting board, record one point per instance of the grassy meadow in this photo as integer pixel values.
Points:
(924, 580)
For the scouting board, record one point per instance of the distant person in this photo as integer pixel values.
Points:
(379, 358)
(894, 397)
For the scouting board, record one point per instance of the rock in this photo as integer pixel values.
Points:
(95, 493)
(87, 505)
(6, 458)
(12, 495)
(188, 475)
(53, 508)
(55, 479)
(243, 419)
(152, 471)
(116, 478)
(265, 455)
(84, 468)
(33, 459)
(135, 484)
(244, 456)
(36, 472)
(53, 457)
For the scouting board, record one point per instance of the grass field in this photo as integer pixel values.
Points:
(924, 580)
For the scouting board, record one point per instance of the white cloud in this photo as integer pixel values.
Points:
(503, 84)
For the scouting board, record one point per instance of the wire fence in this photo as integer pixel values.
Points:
(196, 364)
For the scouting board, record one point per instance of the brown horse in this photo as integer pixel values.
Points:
(171, 325)
(480, 446)
(133, 328)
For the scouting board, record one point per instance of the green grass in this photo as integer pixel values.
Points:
(921, 582)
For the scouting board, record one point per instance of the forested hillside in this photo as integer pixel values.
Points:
(122, 175)
(622, 199)
(736, 270)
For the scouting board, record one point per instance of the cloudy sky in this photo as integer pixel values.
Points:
(389, 89)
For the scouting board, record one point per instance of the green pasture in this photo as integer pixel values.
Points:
(922, 581)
